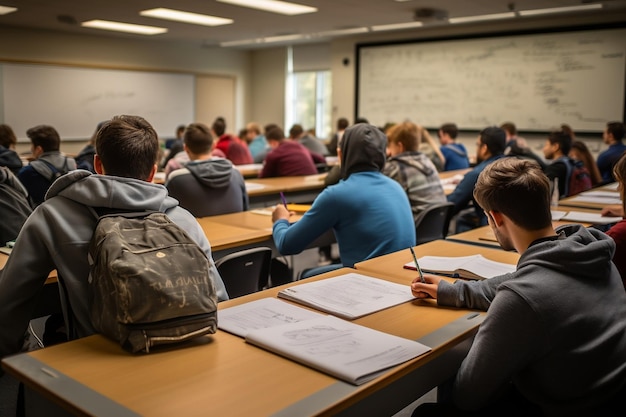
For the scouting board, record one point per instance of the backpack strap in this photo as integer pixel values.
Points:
(49, 171)
(568, 172)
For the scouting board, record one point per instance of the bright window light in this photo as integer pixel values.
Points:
(560, 9)
(479, 18)
(274, 6)
(123, 27)
(7, 9)
(186, 17)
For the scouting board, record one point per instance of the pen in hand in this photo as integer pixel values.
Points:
(283, 199)
(417, 265)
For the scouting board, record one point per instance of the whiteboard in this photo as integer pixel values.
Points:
(74, 100)
(536, 81)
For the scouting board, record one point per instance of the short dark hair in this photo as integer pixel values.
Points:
(45, 136)
(562, 138)
(219, 126)
(509, 127)
(7, 136)
(295, 131)
(128, 146)
(450, 129)
(275, 133)
(495, 139)
(517, 188)
(616, 129)
(342, 123)
(198, 138)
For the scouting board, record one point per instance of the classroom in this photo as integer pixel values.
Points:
(198, 80)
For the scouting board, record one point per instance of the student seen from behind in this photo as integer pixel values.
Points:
(287, 157)
(206, 186)
(563, 168)
(413, 170)
(368, 212)
(553, 342)
(58, 232)
(48, 164)
(8, 157)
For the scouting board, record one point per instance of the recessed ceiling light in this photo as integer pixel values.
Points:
(123, 27)
(566, 9)
(186, 17)
(482, 17)
(7, 9)
(274, 6)
(396, 26)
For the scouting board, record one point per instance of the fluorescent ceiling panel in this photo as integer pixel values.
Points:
(396, 26)
(123, 27)
(7, 9)
(274, 6)
(186, 17)
(483, 17)
(567, 9)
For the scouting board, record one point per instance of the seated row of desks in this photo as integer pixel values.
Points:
(223, 374)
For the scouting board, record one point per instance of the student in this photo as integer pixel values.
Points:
(233, 148)
(84, 159)
(580, 152)
(612, 136)
(413, 170)
(48, 165)
(517, 146)
(490, 147)
(207, 186)
(333, 144)
(174, 146)
(14, 205)
(309, 141)
(58, 232)
(368, 212)
(8, 157)
(257, 144)
(618, 231)
(287, 157)
(562, 167)
(553, 342)
(454, 153)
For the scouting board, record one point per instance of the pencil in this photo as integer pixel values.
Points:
(283, 199)
(417, 265)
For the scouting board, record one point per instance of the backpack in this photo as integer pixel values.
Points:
(579, 177)
(49, 171)
(149, 282)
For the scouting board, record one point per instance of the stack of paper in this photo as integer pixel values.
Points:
(471, 267)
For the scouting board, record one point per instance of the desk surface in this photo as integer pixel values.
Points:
(275, 185)
(222, 375)
(575, 201)
(392, 264)
(223, 235)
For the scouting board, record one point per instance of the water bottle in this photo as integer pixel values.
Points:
(554, 201)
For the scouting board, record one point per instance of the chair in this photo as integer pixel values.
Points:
(432, 223)
(246, 271)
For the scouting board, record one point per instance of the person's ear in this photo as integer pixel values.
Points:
(97, 165)
(496, 217)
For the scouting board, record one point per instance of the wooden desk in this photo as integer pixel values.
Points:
(249, 170)
(575, 202)
(483, 236)
(393, 263)
(301, 189)
(225, 238)
(447, 176)
(224, 376)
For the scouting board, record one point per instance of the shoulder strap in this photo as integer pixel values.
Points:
(45, 169)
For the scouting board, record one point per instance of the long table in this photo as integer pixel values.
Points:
(222, 375)
(264, 192)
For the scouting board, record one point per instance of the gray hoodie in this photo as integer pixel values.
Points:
(556, 327)
(57, 235)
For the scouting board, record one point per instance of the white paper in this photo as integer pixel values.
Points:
(593, 218)
(353, 353)
(261, 314)
(350, 295)
(557, 215)
(597, 199)
(477, 265)
(253, 186)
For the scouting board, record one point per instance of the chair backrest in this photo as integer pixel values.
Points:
(246, 271)
(432, 223)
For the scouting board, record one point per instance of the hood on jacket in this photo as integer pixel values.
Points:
(107, 191)
(417, 160)
(363, 148)
(588, 252)
(214, 173)
(10, 159)
(8, 178)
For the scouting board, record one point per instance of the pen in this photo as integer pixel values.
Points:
(419, 270)
(283, 199)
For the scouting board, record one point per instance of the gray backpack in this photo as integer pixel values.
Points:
(149, 282)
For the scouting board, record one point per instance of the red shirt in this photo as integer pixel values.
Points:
(618, 233)
(234, 149)
(289, 158)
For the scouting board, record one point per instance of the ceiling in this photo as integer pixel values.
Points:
(66, 15)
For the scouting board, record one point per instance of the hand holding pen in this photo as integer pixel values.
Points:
(280, 211)
(417, 265)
